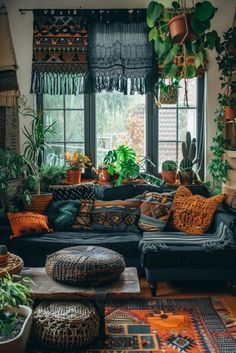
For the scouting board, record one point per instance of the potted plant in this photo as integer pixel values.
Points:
(189, 150)
(15, 313)
(76, 163)
(183, 54)
(169, 171)
(4, 255)
(52, 175)
(103, 175)
(35, 147)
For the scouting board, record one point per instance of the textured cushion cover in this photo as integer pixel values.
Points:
(73, 192)
(62, 214)
(116, 215)
(155, 210)
(193, 214)
(27, 223)
(83, 219)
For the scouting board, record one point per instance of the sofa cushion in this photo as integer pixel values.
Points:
(40, 246)
(193, 214)
(62, 214)
(73, 192)
(83, 218)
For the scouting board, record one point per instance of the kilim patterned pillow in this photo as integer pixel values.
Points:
(155, 210)
(83, 219)
(73, 192)
(116, 215)
(62, 214)
(193, 214)
(27, 223)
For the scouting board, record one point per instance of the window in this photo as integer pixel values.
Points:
(68, 114)
(97, 123)
(120, 120)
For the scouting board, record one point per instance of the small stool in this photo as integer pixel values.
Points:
(65, 325)
(85, 265)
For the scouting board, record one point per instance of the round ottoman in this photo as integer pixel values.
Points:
(65, 325)
(85, 265)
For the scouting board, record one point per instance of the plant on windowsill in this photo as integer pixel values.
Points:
(181, 39)
(189, 151)
(76, 161)
(52, 175)
(15, 313)
(122, 163)
(169, 171)
(35, 147)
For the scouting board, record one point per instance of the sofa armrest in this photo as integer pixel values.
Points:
(223, 215)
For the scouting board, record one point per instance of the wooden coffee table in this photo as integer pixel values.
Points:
(45, 287)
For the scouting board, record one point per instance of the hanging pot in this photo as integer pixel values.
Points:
(73, 176)
(230, 113)
(169, 97)
(181, 30)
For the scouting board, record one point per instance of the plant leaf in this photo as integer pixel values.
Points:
(198, 60)
(190, 71)
(154, 11)
(204, 11)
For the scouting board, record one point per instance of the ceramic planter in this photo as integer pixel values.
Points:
(180, 29)
(169, 176)
(19, 343)
(73, 176)
(39, 203)
(186, 178)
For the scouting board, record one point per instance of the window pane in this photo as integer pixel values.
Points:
(52, 102)
(192, 93)
(74, 101)
(56, 155)
(58, 117)
(75, 126)
(187, 122)
(167, 150)
(167, 124)
(75, 147)
(120, 120)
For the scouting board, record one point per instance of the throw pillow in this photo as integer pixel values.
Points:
(62, 214)
(27, 223)
(193, 214)
(155, 210)
(73, 192)
(116, 215)
(83, 219)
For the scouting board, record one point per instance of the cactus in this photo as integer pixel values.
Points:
(3, 250)
(189, 151)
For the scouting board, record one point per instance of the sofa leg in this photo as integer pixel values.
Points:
(233, 288)
(153, 287)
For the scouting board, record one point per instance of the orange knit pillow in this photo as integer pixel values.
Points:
(27, 223)
(193, 214)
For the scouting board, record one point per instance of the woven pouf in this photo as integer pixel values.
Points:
(65, 325)
(85, 265)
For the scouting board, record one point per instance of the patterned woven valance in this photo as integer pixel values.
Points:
(59, 52)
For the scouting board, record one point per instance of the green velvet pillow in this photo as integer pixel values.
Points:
(62, 214)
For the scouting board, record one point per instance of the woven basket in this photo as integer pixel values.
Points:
(85, 265)
(39, 203)
(13, 266)
(65, 325)
(171, 97)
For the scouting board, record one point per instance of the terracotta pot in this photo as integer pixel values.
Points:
(39, 203)
(230, 113)
(181, 30)
(73, 176)
(169, 176)
(18, 344)
(186, 178)
(4, 259)
(103, 175)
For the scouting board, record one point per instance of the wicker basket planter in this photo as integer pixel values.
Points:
(65, 325)
(170, 97)
(85, 265)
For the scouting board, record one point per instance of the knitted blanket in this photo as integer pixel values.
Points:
(155, 242)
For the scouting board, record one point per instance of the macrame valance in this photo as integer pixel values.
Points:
(121, 58)
(59, 52)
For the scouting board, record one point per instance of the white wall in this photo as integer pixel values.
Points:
(22, 32)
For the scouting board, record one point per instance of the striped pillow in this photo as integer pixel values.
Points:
(155, 210)
(116, 215)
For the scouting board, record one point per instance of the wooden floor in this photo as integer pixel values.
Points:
(191, 289)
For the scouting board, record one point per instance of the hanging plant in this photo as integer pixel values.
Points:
(181, 39)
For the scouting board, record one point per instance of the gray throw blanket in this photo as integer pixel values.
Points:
(155, 242)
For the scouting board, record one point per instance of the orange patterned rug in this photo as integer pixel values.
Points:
(196, 325)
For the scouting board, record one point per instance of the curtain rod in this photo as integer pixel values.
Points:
(23, 11)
